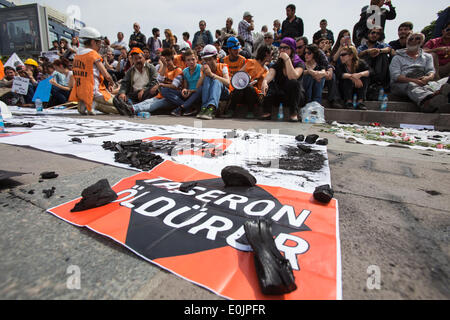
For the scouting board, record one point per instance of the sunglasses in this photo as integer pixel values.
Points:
(300, 47)
(377, 33)
(268, 38)
(344, 54)
(415, 39)
(284, 48)
(308, 53)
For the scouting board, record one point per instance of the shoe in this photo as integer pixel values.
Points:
(124, 108)
(445, 89)
(250, 115)
(361, 106)
(82, 108)
(227, 115)
(293, 119)
(265, 116)
(349, 106)
(209, 113)
(192, 112)
(438, 101)
(336, 105)
(177, 112)
(201, 113)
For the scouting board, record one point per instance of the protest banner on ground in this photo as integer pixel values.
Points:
(199, 235)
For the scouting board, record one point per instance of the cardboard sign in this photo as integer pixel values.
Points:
(199, 235)
(20, 85)
(43, 90)
(50, 55)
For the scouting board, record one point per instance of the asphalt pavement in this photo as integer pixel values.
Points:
(394, 207)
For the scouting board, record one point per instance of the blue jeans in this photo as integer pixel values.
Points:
(313, 89)
(212, 92)
(175, 97)
(151, 105)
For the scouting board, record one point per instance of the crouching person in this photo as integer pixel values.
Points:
(412, 74)
(283, 84)
(89, 73)
(215, 82)
(252, 95)
(139, 84)
(190, 94)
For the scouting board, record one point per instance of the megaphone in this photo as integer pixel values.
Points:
(240, 80)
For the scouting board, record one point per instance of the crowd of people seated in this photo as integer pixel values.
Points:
(285, 67)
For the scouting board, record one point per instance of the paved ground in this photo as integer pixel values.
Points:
(394, 214)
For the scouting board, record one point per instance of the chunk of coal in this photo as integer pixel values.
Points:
(323, 194)
(78, 140)
(97, 195)
(322, 142)
(274, 272)
(235, 176)
(312, 138)
(49, 175)
(31, 192)
(49, 192)
(304, 148)
(300, 138)
(188, 186)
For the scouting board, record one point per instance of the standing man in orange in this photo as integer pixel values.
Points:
(89, 73)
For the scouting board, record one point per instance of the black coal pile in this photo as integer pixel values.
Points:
(49, 175)
(138, 154)
(96, 195)
(49, 192)
(301, 158)
(19, 125)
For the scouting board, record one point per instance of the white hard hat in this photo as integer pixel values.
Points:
(90, 33)
(209, 51)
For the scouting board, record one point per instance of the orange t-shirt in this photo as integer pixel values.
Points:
(2, 70)
(256, 72)
(170, 76)
(179, 62)
(83, 74)
(219, 72)
(234, 66)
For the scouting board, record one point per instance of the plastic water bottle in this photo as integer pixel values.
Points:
(39, 107)
(144, 115)
(381, 95)
(384, 103)
(280, 115)
(355, 101)
(2, 124)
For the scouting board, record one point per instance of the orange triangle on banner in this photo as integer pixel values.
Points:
(2, 71)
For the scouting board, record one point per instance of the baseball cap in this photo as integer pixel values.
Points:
(233, 43)
(247, 13)
(136, 50)
(209, 51)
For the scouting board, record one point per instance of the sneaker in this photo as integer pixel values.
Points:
(177, 112)
(336, 105)
(124, 108)
(361, 106)
(209, 113)
(201, 113)
(228, 114)
(349, 106)
(189, 113)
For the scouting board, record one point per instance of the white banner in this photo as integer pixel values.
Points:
(274, 159)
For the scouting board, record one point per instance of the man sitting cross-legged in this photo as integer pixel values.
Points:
(139, 84)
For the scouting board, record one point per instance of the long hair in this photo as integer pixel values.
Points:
(355, 60)
(170, 37)
(315, 51)
(337, 44)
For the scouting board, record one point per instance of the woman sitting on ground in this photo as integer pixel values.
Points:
(316, 73)
(283, 84)
(353, 75)
(61, 82)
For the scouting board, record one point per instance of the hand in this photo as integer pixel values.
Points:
(264, 88)
(358, 83)
(122, 97)
(163, 60)
(154, 89)
(185, 93)
(284, 56)
(207, 70)
(140, 94)
(374, 52)
(425, 80)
